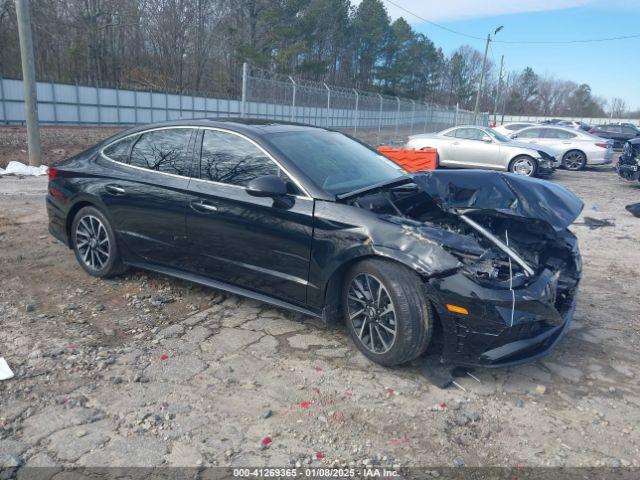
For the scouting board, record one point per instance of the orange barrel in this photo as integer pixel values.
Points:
(412, 160)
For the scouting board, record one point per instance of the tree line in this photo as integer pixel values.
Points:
(198, 47)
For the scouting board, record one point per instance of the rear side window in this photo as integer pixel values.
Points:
(531, 133)
(231, 159)
(556, 133)
(563, 134)
(164, 151)
(120, 151)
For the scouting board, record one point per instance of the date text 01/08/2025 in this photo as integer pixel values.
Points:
(370, 472)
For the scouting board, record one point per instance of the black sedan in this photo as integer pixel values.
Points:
(311, 220)
(618, 132)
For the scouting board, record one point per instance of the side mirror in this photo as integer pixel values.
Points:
(515, 135)
(267, 186)
(486, 139)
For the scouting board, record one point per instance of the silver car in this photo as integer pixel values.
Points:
(482, 147)
(576, 148)
(509, 128)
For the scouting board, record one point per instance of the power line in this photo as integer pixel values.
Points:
(567, 42)
(515, 42)
(451, 30)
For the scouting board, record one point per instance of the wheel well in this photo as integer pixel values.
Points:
(520, 155)
(333, 290)
(72, 214)
(333, 300)
(574, 150)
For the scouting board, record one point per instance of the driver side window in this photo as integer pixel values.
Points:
(232, 159)
(470, 133)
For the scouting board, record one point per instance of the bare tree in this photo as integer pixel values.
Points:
(618, 107)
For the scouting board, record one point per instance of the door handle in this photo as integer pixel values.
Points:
(203, 207)
(455, 143)
(115, 189)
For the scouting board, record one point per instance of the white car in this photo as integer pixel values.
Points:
(481, 147)
(575, 148)
(509, 128)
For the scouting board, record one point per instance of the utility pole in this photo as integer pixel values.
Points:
(504, 98)
(495, 105)
(23, 16)
(484, 65)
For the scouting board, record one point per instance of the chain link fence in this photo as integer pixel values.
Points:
(372, 117)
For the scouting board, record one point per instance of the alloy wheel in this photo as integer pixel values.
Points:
(523, 166)
(371, 313)
(573, 160)
(92, 242)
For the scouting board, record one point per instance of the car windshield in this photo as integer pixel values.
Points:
(498, 136)
(333, 161)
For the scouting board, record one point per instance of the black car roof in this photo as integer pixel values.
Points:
(241, 125)
(252, 128)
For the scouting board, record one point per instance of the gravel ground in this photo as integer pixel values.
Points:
(146, 370)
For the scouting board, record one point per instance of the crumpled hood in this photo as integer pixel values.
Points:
(504, 193)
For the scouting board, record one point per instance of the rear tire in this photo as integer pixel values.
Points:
(386, 311)
(95, 245)
(574, 160)
(524, 165)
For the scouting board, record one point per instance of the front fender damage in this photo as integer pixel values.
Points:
(495, 243)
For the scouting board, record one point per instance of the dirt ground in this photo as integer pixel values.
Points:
(146, 370)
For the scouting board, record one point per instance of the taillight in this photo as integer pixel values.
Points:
(53, 173)
(602, 145)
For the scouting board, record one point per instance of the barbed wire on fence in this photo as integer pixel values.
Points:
(268, 94)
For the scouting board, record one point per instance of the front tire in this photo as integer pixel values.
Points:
(94, 243)
(386, 312)
(524, 165)
(574, 160)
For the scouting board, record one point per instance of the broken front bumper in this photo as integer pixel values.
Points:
(628, 172)
(503, 327)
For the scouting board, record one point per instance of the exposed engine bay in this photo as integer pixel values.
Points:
(509, 234)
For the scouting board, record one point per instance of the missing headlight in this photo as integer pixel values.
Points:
(491, 269)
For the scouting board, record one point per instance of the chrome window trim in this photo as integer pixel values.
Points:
(106, 157)
(266, 153)
(198, 128)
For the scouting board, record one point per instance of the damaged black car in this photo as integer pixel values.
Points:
(628, 166)
(316, 222)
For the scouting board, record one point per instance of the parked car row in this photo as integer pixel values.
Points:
(526, 149)
(618, 132)
(482, 147)
(575, 148)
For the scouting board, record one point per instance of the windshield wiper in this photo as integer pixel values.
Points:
(403, 180)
